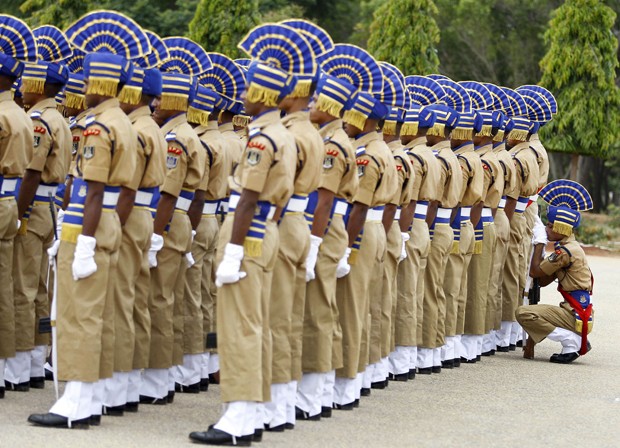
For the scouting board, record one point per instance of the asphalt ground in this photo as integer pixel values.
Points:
(503, 401)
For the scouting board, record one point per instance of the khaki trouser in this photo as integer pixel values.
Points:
(42, 302)
(85, 308)
(390, 294)
(132, 255)
(540, 320)
(207, 281)
(478, 284)
(409, 277)
(512, 288)
(494, 298)
(434, 298)
(455, 281)
(8, 230)
(322, 335)
(352, 296)
(530, 214)
(244, 338)
(141, 314)
(288, 293)
(165, 279)
(372, 334)
(31, 242)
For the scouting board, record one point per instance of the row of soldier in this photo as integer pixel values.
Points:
(367, 226)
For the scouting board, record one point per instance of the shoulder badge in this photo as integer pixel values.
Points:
(89, 152)
(258, 145)
(253, 132)
(554, 256)
(89, 120)
(40, 129)
(35, 114)
(253, 156)
(72, 122)
(360, 151)
(93, 131)
(361, 167)
(328, 161)
(170, 136)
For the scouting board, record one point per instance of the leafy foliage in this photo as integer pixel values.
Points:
(404, 33)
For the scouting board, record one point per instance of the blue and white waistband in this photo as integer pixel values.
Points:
(521, 204)
(375, 214)
(443, 216)
(421, 210)
(144, 196)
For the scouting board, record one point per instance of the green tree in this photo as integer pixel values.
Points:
(580, 69)
(404, 33)
(54, 12)
(367, 13)
(219, 25)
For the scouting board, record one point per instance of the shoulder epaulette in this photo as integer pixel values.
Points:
(418, 158)
(445, 162)
(460, 157)
(142, 143)
(35, 114)
(360, 151)
(521, 165)
(41, 129)
(253, 132)
(172, 137)
(338, 145)
(536, 152)
(404, 162)
(209, 152)
(92, 121)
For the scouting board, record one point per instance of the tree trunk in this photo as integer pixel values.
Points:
(591, 175)
(574, 166)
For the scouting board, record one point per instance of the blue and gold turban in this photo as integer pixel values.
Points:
(227, 79)
(457, 98)
(395, 96)
(17, 45)
(482, 102)
(423, 91)
(445, 116)
(285, 48)
(202, 105)
(110, 40)
(517, 113)
(549, 98)
(333, 94)
(499, 105)
(538, 107)
(131, 93)
(52, 48)
(317, 37)
(75, 86)
(159, 52)
(267, 84)
(566, 199)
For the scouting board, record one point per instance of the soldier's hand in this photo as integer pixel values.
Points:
(157, 242)
(539, 233)
(52, 251)
(343, 267)
(84, 258)
(403, 251)
(229, 269)
(189, 260)
(313, 254)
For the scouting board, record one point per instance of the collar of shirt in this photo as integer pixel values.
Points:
(482, 150)
(47, 103)
(174, 122)
(212, 125)
(364, 139)
(416, 142)
(6, 95)
(534, 138)
(139, 112)
(442, 145)
(106, 105)
(519, 147)
(395, 145)
(300, 115)
(465, 147)
(329, 129)
(499, 146)
(268, 117)
(226, 127)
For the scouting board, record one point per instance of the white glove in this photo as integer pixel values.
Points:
(157, 242)
(189, 260)
(19, 224)
(229, 269)
(313, 254)
(343, 267)
(84, 257)
(193, 235)
(539, 232)
(60, 218)
(403, 252)
(52, 251)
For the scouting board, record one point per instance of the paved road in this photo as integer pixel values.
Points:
(504, 401)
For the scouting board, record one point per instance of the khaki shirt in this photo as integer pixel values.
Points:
(376, 170)
(235, 145)
(52, 142)
(16, 137)
(542, 157)
(76, 125)
(108, 150)
(404, 169)
(268, 162)
(493, 176)
(509, 170)
(185, 158)
(217, 162)
(152, 147)
(527, 172)
(309, 151)
(339, 166)
(569, 265)
(449, 177)
(472, 175)
(426, 172)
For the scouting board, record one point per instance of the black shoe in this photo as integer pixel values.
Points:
(401, 377)
(503, 349)
(448, 364)
(378, 385)
(49, 375)
(468, 361)
(17, 387)
(2, 392)
(144, 399)
(216, 437)
(425, 370)
(489, 353)
(131, 406)
(214, 378)
(279, 428)
(204, 384)
(170, 397)
(457, 362)
(519, 343)
(391, 377)
(436, 369)
(191, 389)
(326, 412)
(94, 420)
(365, 392)
(300, 414)
(258, 434)
(565, 358)
(37, 382)
(290, 426)
(411, 374)
(356, 403)
(114, 411)
(512, 347)
(344, 407)
(57, 421)
(478, 358)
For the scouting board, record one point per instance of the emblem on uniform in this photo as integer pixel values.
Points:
(328, 162)
(554, 256)
(171, 161)
(89, 152)
(37, 140)
(82, 191)
(74, 147)
(253, 157)
(361, 169)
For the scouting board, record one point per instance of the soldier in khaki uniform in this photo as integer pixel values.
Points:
(47, 168)
(322, 336)
(172, 228)
(429, 348)
(131, 288)
(571, 322)
(91, 231)
(247, 253)
(16, 149)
